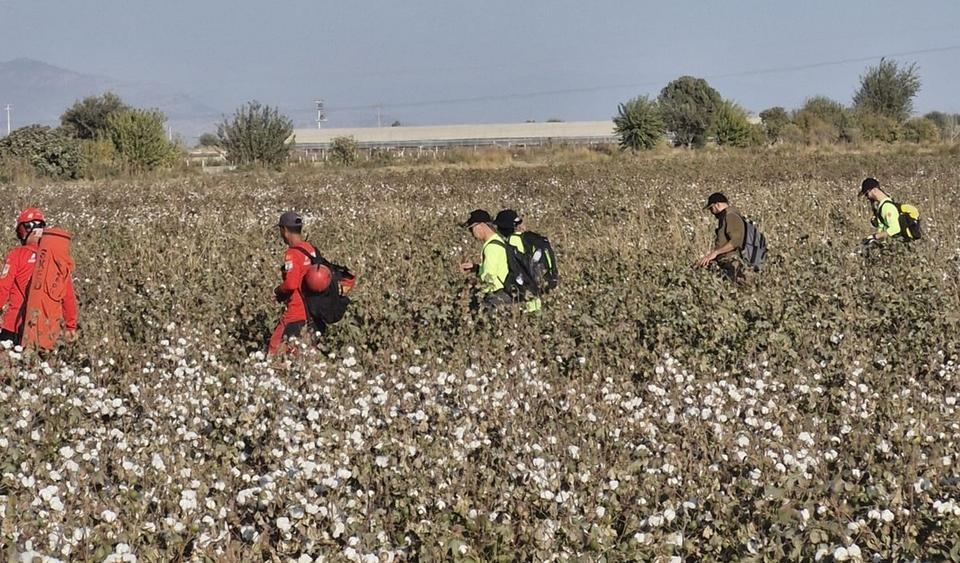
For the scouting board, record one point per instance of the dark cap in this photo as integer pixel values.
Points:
(477, 216)
(716, 197)
(869, 184)
(507, 220)
(290, 219)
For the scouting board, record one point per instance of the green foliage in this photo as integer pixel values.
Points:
(774, 120)
(50, 152)
(824, 121)
(877, 127)
(888, 89)
(688, 106)
(87, 118)
(921, 130)
(208, 140)
(256, 134)
(140, 139)
(639, 124)
(731, 127)
(100, 158)
(948, 124)
(344, 150)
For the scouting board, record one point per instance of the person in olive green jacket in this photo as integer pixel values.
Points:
(728, 238)
(886, 213)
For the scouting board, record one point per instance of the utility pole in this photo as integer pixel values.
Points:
(321, 114)
(379, 107)
(8, 108)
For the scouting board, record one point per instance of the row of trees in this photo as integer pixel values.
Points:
(100, 135)
(693, 112)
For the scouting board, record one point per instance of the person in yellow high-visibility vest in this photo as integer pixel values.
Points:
(886, 213)
(499, 284)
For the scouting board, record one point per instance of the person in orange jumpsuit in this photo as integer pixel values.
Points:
(296, 260)
(15, 280)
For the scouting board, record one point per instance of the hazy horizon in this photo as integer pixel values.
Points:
(445, 62)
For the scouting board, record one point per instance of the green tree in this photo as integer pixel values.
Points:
(774, 120)
(50, 152)
(140, 140)
(888, 89)
(344, 150)
(87, 118)
(731, 127)
(208, 140)
(639, 124)
(688, 106)
(256, 134)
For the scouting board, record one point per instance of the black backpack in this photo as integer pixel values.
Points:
(519, 283)
(908, 217)
(327, 307)
(541, 260)
(754, 249)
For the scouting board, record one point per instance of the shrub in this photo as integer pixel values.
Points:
(87, 118)
(948, 124)
(344, 150)
(688, 106)
(732, 128)
(50, 152)
(888, 89)
(877, 127)
(638, 124)
(100, 158)
(774, 120)
(824, 121)
(256, 134)
(139, 139)
(921, 130)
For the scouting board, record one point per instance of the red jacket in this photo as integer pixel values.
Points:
(295, 264)
(14, 281)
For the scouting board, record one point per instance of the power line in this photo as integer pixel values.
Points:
(634, 85)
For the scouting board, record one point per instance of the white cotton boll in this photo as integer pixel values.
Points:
(841, 554)
(381, 461)
(601, 511)
(574, 452)
(108, 516)
(283, 523)
(546, 494)
(669, 514)
(886, 515)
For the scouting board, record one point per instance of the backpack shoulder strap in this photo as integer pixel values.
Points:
(315, 258)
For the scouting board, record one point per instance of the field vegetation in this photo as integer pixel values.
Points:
(650, 412)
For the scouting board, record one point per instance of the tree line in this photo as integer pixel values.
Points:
(689, 112)
(102, 135)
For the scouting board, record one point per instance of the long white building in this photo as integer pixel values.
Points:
(448, 136)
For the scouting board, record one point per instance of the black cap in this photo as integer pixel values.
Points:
(716, 197)
(507, 220)
(290, 219)
(477, 216)
(869, 184)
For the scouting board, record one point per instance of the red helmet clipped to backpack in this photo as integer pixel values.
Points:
(28, 220)
(317, 278)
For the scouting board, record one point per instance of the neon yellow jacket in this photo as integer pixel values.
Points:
(888, 217)
(493, 265)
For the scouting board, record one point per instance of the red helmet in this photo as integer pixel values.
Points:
(29, 219)
(30, 214)
(317, 278)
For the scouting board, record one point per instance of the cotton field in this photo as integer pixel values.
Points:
(650, 412)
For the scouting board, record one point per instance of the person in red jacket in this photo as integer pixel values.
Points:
(296, 260)
(15, 280)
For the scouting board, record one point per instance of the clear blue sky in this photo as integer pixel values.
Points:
(287, 53)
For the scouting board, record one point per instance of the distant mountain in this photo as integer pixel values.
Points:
(39, 93)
